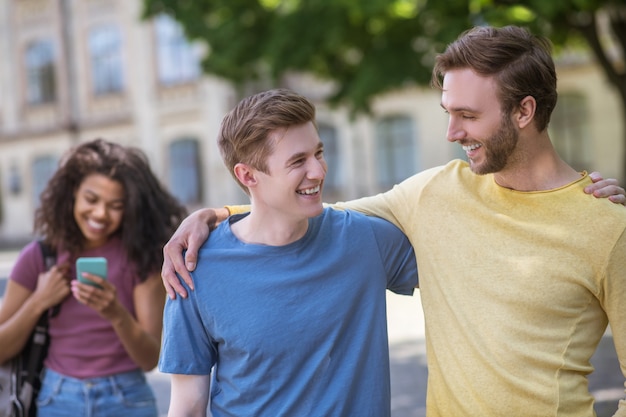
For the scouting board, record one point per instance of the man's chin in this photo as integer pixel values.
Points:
(474, 167)
(481, 169)
(316, 212)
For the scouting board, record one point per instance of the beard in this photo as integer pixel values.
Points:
(498, 148)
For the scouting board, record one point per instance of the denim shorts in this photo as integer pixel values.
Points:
(124, 394)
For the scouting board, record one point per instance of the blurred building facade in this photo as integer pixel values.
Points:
(74, 70)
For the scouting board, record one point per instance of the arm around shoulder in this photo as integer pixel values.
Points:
(190, 235)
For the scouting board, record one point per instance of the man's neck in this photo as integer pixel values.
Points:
(545, 172)
(535, 165)
(263, 228)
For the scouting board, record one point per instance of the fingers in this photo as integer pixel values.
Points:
(80, 293)
(100, 299)
(171, 291)
(58, 294)
(595, 176)
(173, 262)
(605, 187)
(596, 186)
(52, 286)
(191, 256)
(168, 275)
(618, 198)
(189, 236)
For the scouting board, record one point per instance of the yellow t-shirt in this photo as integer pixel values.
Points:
(517, 289)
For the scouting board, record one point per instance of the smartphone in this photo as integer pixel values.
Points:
(92, 265)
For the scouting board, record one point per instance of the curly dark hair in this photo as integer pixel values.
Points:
(151, 213)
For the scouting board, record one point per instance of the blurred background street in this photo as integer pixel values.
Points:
(408, 359)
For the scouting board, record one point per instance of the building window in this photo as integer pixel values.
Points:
(178, 61)
(40, 85)
(569, 130)
(42, 170)
(185, 175)
(328, 135)
(396, 150)
(15, 182)
(105, 48)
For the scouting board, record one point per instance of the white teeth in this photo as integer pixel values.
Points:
(468, 148)
(95, 225)
(310, 191)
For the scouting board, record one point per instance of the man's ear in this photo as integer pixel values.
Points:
(245, 174)
(526, 111)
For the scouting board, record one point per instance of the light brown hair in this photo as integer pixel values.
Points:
(246, 129)
(520, 62)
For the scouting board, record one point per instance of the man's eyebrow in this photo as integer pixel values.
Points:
(299, 155)
(459, 109)
(295, 156)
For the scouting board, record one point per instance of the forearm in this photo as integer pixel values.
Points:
(141, 334)
(17, 328)
(142, 346)
(378, 206)
(189, 395)
(238, 209)
(213, 216)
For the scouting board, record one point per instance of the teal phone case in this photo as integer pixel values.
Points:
(95, 265)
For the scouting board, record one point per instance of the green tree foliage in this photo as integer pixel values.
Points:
(368, 47)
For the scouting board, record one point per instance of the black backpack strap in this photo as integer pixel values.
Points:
(49, 260)
(49, 254)
(39, 338)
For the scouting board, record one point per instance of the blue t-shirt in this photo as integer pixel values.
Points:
(294, 330)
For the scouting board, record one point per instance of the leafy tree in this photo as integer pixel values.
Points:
(368, 47)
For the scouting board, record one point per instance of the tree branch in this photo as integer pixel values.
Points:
(589, 30)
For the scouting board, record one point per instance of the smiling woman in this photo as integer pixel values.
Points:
(99, 203)
(98, 208)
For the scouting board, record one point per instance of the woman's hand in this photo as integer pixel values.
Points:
(101, 297)
(52, 286)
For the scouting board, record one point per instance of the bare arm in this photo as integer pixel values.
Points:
(603, 188)
(190, 235)
(21, 308)
(189, 395)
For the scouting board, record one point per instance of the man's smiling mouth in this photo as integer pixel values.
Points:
(309, 191)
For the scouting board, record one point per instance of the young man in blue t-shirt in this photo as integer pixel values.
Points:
(288, 316)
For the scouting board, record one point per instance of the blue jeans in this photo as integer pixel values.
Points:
(125, 394)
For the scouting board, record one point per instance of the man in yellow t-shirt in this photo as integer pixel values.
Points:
(520, 270)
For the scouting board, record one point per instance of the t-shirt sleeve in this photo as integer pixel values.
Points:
(28, 266)
(396, 205)
(397, 256)
(186, 346)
